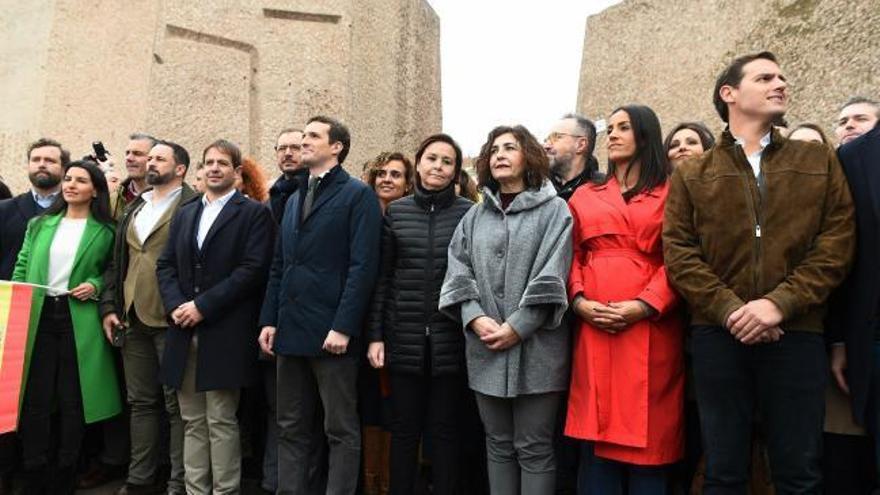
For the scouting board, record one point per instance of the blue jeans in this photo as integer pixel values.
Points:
(785, 380)
(599, 476)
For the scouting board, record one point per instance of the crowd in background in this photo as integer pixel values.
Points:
(699, 316)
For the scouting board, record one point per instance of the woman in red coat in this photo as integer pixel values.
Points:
(627, 385)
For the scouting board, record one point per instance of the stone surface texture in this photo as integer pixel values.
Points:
(667, 53)
(191, 72)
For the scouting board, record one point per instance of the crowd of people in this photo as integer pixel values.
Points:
(545, 327)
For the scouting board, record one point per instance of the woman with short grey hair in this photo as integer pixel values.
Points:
(506, 279)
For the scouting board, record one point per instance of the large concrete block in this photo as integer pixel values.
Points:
(85, 70)
(667, 54)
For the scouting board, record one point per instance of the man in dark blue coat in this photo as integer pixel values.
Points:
(325, 265)
(854, 321)
(211, 273)
(46, 161)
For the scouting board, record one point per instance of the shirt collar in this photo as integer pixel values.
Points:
(765, 140)
(38, 196)
(148, 195)
(221, 201)
(324, 173)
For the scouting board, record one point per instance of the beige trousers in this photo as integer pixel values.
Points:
(211, 445)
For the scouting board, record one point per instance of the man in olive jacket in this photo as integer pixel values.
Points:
(132, 296)
(758, 232)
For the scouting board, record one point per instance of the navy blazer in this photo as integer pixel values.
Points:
(854, 306)
(225, 278)
(325, 266)
(14, 216)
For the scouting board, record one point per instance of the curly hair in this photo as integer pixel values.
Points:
(253, 180)
(535, 164)
(372, 167)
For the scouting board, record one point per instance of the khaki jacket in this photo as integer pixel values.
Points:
(728, 241)
(133, 269)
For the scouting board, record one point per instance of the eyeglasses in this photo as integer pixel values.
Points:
(284, 147)
(556, 136)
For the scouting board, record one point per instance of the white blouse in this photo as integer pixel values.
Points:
(62, 254)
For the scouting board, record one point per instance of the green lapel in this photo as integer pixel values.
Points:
(40, 249)
(93, 228)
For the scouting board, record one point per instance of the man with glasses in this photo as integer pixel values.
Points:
(569, 147)
(287, 153)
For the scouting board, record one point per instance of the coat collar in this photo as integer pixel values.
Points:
(526, 200)
(430, 199)
(50, 223)
(330, 185)
(229, 211)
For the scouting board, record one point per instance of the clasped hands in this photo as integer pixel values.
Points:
(187, 315)
(612, 317)
(756, 322)
(495, 336)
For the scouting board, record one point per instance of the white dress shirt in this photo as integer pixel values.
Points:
(62, 253)
(755, 158)
(210, 210)
(151, 212)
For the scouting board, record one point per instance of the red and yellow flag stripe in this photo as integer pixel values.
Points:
(15, 314)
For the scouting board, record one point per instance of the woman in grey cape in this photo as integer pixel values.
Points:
(508, 265)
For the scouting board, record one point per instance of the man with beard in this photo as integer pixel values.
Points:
(569, 147)
(136, 155)
(140, 239)
(46, 162)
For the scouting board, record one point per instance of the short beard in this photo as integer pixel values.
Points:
(44, 180)
(154, 179)
(560, 167)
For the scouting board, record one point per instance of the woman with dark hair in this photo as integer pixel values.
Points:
(466, 187)
(687, 139)
(809, 132)
(68, 364)
(252, 182)
(508, 264)
(422, 349)
(627, 381)
(390, 175)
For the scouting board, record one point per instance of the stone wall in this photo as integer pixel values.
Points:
(85, 70)
(667, 54)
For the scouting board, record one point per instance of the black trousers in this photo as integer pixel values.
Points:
(302, 383)
(785, 381)
(53, 380)
(422, 403)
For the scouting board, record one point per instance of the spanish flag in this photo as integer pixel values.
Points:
(15, 314)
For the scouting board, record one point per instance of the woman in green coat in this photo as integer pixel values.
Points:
(68, 363)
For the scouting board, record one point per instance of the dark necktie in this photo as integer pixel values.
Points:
(310, 196)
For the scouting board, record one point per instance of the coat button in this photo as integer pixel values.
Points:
(500, 294)
(500, 254)
(196, 289)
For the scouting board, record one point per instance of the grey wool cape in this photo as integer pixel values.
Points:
(513, 266)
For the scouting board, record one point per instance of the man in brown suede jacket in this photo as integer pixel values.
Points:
(758, 232)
